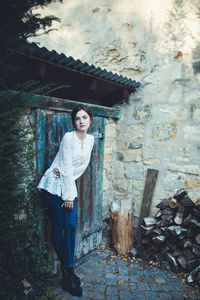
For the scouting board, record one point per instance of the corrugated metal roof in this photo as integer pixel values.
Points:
(52, 56)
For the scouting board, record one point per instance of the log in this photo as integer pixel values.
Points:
(158, 214)
(192, 264)
(197, 206)
(187, 202)
(159, 239)
(196, 250)
(122, 235)
(177, 253)
(167, 219)
(186, 221)
(180, 194)
(195, 224)
(181, 208)
(197, 238)
(188, 254)
(179, 218)
(176, 230)
(182, 262)
(173, 203)
(172, 262)
(168, 211)
(196, 213)
(157, 231)
(149, 221)
(147, 196)
(186, 243)
(147, 230)
(163, 204)
(193, 277)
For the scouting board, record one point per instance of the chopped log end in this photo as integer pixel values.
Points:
(159, 239)
(197, 238)
(149, 221)
(180, 194)
(179, 218)
(173, 203)
(163, 204)
(187, 202)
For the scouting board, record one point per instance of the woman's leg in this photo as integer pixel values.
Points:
(69, 235)
(56, 214)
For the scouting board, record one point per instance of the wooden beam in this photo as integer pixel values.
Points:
(59, 104)
(146, 200)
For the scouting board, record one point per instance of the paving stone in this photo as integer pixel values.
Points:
(111, 276)
(111, 290)
(143, 286)
(99, 288)
(111, 282)
(110, 268)
(171, 296)
(123, 271)
(156, 287)
(147, 273)
(148, 279)
(160, 280)
(123, 287)
(132, 287)
(122, 277)
(87, 286)
(151, 296)
(111, 297)
(138, 295)
(134, 278)
(125, 295)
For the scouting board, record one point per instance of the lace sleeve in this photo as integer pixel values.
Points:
(68, 187)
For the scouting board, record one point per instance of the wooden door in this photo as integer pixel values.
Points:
(51, 126)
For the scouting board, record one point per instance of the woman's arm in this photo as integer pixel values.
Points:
(68, 187)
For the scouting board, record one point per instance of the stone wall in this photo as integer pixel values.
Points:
(156, 43)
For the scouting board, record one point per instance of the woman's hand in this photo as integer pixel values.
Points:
(68, 204)
(56, 172)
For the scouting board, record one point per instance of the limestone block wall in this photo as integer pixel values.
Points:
(156, 43)
(160, 130)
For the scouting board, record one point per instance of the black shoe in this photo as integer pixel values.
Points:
(71, 271)
(70, 284)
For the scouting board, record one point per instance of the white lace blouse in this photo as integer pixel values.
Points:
(72, 159)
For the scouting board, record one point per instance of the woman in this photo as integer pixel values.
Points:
(60, 192)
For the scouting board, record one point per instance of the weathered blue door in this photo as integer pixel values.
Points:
(51, 126)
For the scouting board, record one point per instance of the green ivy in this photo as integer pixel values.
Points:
(24, 270)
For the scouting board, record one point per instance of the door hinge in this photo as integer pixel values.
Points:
(90, 232)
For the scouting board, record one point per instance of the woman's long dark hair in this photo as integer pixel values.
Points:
(77, 109)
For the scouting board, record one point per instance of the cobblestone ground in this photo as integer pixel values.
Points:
(106, 276)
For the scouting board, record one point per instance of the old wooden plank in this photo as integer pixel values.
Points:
(147, 197)
(65, 105)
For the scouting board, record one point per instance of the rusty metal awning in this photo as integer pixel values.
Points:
(83, 82)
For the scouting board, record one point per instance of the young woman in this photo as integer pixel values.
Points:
(60, 192)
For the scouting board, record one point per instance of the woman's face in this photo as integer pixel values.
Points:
(82, 121)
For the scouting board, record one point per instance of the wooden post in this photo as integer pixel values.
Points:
(122, 235)
(146, 200)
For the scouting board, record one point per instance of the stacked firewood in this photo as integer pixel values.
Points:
(172, 236)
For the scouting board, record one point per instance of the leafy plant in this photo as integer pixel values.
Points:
(24, 271)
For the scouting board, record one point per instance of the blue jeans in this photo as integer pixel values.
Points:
(63, 222)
